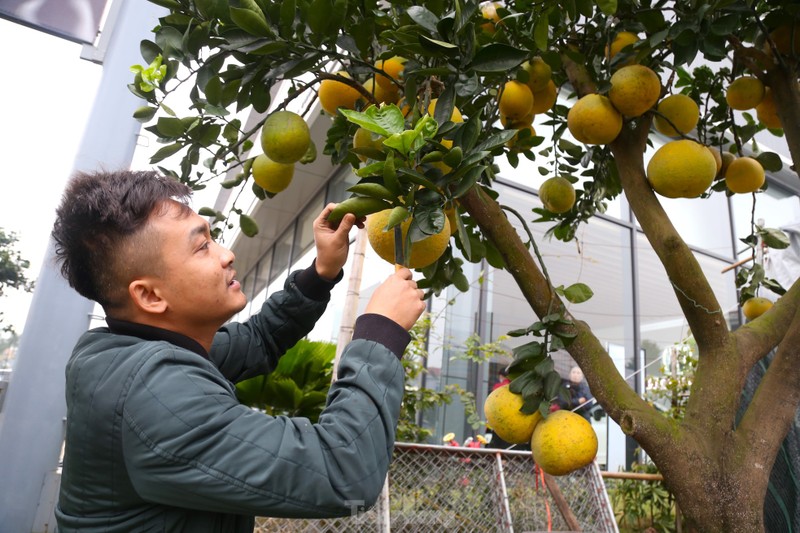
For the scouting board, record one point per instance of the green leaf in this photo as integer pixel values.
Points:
(144, 113)
(609, 7)
(498, 57)
(770, 161)
(165, 152)
(436, 46)
(319, 16)
(423, 17)
(385, 120)
(250, 21)
(248, 225)
(578, 293)
(405, 142)
(774, 238)
(540, 32)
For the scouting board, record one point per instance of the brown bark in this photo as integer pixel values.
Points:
(636, 417)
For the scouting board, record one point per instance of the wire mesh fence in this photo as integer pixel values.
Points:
(455, 489)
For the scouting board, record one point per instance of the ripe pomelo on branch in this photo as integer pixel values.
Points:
(755, 307)
(285, 137)
(677, 114)
(422, 253)
(634, 90)
(563, 442)
(620, 41)
(744, 93)
(502, 411)
(543, 100)
(767, 113)
(539, 73)
(334, 94)
(681, 169)
(593, 120)
(557, 194)
(270, 175)
(393, 67)
(745, 175)
(515, 100)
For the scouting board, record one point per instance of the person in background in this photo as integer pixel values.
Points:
(155, 437)
(502, 378)
(578, 398)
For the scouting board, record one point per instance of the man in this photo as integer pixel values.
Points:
(156, 440)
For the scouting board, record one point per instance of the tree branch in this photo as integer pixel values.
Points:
(786, 93)
(772, 409)
(694, 293)
(755, 339)
(635, 416)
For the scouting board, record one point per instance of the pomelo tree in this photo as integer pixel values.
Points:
(444, 88)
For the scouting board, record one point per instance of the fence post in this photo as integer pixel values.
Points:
(508, 525)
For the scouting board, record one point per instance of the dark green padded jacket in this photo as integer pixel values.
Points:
(157, 441)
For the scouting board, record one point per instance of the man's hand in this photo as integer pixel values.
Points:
(398, 299)
(333, 242)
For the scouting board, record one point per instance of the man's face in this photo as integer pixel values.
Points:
(198, 280)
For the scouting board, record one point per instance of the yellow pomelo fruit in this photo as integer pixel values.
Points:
(489, 12)
(393, 67)
(755, 307)
(455, 116)
(557, 194)
(502, 410)
(717, 158)
(516, 100)
(363, 138)
(271, 176)
(681, 111)
(422, 254)
(543, 100)
(452, 217)
(786, 38)
(620, 41)
(593, 120)
(634, 90)
(382, 95)
(767, 113)
(563, 442)
(727, 159)
(539, 73)
(334, 94)
(744, 175)
(744, 93)
(285, 137)
(681, 169)
(515, 124)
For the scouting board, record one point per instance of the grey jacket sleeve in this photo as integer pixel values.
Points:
(189, 443)
(244, 350)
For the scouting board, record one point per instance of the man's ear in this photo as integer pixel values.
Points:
(146, 296)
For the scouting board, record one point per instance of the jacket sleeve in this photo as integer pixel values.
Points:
(243, 350)
(189, 443)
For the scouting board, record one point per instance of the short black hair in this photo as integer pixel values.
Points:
(97, 222)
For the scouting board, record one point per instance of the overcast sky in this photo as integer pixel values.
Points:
(46, 93)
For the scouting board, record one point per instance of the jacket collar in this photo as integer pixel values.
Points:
(152, 333)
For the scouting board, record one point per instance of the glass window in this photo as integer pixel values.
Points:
(337, 188)
(662, 324)
(304, 236)
(774, 208)
(281, 253)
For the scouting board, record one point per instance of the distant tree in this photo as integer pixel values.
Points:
(12, 269)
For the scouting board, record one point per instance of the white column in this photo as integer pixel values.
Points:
(31, 426)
